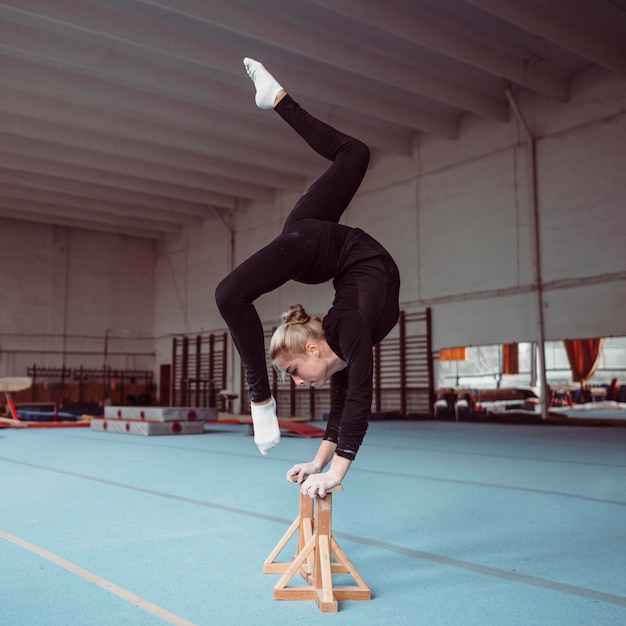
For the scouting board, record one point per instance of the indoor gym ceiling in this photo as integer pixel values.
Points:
(137, 117)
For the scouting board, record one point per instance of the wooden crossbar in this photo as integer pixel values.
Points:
(318, 557)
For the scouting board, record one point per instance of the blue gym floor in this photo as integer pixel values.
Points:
(448, 523)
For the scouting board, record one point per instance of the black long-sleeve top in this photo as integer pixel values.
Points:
(364, 310)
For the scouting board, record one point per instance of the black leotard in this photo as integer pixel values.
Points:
(314, 248)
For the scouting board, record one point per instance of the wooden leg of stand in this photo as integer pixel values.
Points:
(325, 594)
(269, 566)
(323, 509)
(323, 581)
(306, 532)
(294, 593)
(314, 560)
(361, 591)
(306, 512)
(303, 524)
(307, 528)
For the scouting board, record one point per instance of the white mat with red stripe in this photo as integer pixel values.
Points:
(160, 413)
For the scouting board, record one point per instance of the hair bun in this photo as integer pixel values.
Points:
(296, 314)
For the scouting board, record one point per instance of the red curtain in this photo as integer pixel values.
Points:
(454, 354)
(510, 358)
(584, 356)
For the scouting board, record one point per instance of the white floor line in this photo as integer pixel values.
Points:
(142, 603)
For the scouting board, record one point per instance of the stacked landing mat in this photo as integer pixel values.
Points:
(136, 420)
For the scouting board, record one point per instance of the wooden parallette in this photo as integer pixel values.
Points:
(318, 557)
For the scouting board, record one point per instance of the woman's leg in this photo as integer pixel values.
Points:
(263, 272)
(281, 260)
(327, 198)
(266, 270)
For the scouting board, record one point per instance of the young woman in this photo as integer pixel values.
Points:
(314, 248)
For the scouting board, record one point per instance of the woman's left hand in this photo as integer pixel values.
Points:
(319, 484)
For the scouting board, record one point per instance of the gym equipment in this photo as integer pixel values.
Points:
(7, 386)
(314, 559)
(136, 420)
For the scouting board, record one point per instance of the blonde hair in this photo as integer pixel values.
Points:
(297, 328)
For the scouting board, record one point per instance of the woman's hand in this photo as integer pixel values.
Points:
(319, 484)
(299, 472)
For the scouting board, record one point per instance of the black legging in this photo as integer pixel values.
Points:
(305, 250)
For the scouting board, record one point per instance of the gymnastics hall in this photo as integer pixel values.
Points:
(137, 172)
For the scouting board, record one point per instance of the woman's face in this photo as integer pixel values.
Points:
(308, 368)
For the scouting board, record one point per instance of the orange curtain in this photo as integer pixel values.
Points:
(510, 358)
(584, 356)
(454, 354)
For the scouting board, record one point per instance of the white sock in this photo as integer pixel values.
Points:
(265, 84)
(265, 423)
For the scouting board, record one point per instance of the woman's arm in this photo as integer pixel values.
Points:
(311, 477)
(301, 471)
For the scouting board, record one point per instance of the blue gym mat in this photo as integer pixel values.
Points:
(448, 523)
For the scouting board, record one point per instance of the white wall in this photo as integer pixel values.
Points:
(62, 289)
(581, 163)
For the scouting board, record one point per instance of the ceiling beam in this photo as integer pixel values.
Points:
(557, 28)
(135, 153)
(18, 166)
(84, 224)
(117, 192)
(123, 165)
(160, 136)
(452, 43)
(256, 25)
(241, 121)
(197, 79)
(369, 104)
(87, 205)
(175, 125)
(49, 208)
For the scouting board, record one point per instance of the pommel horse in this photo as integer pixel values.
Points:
(8, 385)
(314, 559)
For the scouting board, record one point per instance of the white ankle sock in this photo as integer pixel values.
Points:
(265, 84)
(265, 423)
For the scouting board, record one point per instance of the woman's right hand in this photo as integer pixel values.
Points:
(299, 472)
